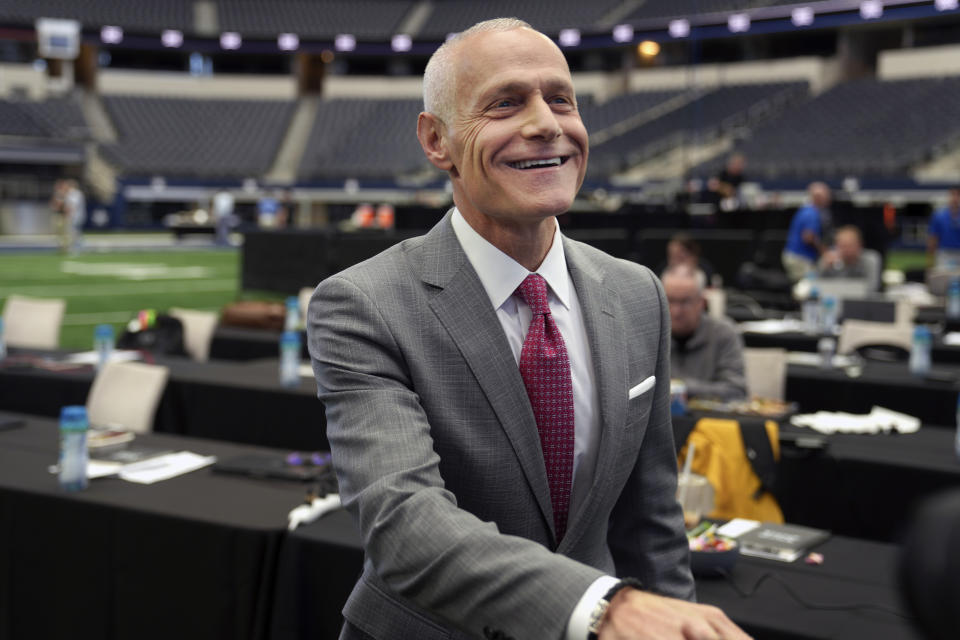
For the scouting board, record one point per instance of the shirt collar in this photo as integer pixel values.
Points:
(500, 274)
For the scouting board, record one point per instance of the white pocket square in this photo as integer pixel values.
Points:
(642, 388)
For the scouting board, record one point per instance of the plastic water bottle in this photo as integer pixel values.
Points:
(826, 346)
(73, 448)
(292, 319)
(103, 344)
(290, 359)
(920, 351)
(828, 314)
(953, 300)
(3, 341)
(811, 310)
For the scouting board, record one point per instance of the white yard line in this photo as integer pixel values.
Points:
(110, 289)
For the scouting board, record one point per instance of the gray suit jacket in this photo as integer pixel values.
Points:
(439, 460)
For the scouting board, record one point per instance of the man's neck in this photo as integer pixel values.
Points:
(527, 243)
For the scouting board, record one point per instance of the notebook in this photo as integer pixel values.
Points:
(784, 542)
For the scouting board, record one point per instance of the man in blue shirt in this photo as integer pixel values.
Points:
(943, 234)
(809, 233)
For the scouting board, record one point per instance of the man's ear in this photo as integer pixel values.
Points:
(432, 133)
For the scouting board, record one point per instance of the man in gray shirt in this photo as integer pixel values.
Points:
(706, 353)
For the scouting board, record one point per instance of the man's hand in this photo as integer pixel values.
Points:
(638, 615)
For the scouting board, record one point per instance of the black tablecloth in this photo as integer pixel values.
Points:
(889, 385)
(190, 557)
(854, 572)
(233, 401)
(320, 562)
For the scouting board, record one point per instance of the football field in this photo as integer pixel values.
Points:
(111, 287)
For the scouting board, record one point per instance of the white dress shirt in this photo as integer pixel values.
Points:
(500, 276)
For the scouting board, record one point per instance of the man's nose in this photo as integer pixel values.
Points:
(541, 122)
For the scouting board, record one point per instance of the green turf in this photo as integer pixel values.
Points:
(111, 287)
(906, 260)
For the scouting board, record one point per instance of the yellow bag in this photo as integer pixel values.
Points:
(722, 456)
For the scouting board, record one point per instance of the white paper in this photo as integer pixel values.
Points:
(98, 469)
(813, 359)
(952, 339)
(737, 527)
(879, 420)
(305, 370)
(309, 512)
(165, 467)
(773, 326)
(92, 357)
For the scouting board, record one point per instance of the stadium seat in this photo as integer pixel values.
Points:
(125, 395)
(33, 323)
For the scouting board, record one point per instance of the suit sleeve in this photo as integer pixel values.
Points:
(646, 527)
(430, 553)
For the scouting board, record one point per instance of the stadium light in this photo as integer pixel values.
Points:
(171, 38)
(871, 9)
(288, 42)
(802, 16)
(738, 23)
(569, 37)
(623, 33)
(401, 42)
(945, 5)
(230, 40)
(345, 42)
(679, 28)
(111, 35)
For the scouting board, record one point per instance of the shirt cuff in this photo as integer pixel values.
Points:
(579, 621)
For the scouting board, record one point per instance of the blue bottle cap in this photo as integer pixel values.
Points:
(103, 331)
(290, 337)
(73, 417)
(921, 331)
(293, 301)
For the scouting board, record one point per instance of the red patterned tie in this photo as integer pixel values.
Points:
(545, 369)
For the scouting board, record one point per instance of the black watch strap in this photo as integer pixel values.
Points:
(596, 616)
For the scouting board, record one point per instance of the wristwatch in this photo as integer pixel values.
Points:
(600, 610)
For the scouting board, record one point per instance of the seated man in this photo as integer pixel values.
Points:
(848, 258)
(706, 353)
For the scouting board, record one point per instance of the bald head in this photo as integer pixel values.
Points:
(440, 79)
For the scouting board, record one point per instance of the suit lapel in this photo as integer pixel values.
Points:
(605, 332)
(463, 308)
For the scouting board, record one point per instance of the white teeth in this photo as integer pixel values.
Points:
(526, 164)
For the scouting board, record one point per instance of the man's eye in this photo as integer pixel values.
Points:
(502, 104)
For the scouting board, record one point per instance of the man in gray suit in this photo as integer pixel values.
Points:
(485, 511)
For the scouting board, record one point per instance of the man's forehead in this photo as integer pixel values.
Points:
(490, 59)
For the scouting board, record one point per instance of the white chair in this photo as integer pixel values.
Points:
(304, 297)
(198, 328)
(858, 333)
(766, 372)
(125, 395)
(33, 323)
(716, 302)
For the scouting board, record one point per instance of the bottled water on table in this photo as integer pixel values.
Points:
(292, 319)
(103, 344)
(290, 359)
(920, 351)
(953, 300)
(3, 341)
(73, 448)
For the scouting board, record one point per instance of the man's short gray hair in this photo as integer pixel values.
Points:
(438, 78)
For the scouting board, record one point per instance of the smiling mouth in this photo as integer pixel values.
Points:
(539, 164)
